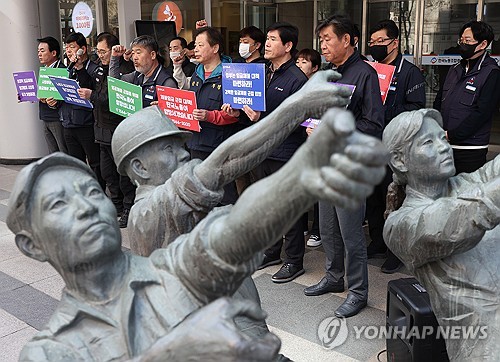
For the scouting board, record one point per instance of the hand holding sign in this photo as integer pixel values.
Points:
(226, 107)
(253, 115)
(200, 114)
(51, 102)
(68, 89)
(84, 93)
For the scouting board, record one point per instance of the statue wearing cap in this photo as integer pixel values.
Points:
(119, 306)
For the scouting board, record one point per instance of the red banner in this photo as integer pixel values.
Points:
(178, 105)
(385, 73)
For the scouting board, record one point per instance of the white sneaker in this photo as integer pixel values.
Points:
(313, 241)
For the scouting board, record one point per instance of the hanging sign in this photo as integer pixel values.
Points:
(82, 19)
(168, 11)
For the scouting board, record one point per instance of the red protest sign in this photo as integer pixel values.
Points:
(178, 105)
(385, 73)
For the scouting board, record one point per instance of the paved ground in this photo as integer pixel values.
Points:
(29, 292)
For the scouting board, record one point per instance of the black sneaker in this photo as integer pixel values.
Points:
(374, 252)
(391, 265)
(287, 273)
(123, 221)
(313, 241)
(268, 261)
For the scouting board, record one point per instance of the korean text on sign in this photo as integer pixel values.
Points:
(244, 84)
(68, 89)
(26, 86)
(124, 98)
(45, 87)
(178, 105)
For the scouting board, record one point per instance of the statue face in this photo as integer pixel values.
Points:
(163, 157)
(430, 156)
(73, 221)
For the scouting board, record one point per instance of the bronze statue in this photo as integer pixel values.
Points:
(118, 306)
(174, 194)
(446, 232)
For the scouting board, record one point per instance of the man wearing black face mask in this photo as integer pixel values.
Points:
(469, 97)
(406, 93)
(407, 90)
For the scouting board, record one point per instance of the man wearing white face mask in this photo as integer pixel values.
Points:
(183, 67)
(251, 41)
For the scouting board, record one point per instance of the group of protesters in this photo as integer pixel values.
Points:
(197, 66)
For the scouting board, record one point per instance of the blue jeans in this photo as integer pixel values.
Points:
(342, 234)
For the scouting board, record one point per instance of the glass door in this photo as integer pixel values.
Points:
(439, 39)
(260, 14)
(300, 14)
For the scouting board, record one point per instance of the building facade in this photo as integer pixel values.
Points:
(427, 27)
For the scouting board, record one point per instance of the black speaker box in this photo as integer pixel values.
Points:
(409, 309)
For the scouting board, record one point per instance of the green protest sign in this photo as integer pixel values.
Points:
(124, 98)
(45, 87)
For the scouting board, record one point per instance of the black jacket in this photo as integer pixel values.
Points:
(366, 102)
(407, 89)
(161, 76)
(105, 121)
(285, 81)
(99, 98)
(260, 59)
(73, 116)
(188, 68)
(468, 100)
(45, 113)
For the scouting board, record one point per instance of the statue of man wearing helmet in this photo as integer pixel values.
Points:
(174, 193)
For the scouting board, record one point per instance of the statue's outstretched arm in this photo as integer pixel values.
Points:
(249, 147)
(336, 164)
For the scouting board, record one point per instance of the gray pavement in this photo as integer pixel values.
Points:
(30, 290)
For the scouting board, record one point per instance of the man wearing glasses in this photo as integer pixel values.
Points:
(469, 97)
(121, 190)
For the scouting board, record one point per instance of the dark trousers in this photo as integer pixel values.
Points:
(54, 136)
(375, 208)
(294, 238)
(342, 237)
(469, 160)
(315, 223)
(230, 191)
(121, 190)
(80, 143)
